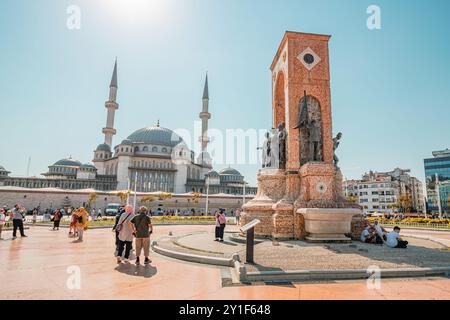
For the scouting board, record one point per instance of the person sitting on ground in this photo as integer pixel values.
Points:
(394, 240)
(380, 232)
(366, 236)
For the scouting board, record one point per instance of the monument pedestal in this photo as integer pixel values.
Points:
(271, 186)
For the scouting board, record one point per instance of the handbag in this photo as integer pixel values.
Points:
(120, 225)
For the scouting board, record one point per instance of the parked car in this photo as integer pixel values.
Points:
(112, 209)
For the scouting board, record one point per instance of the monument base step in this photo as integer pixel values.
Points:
(329, 239)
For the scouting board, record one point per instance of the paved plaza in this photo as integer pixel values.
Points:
(37, 268)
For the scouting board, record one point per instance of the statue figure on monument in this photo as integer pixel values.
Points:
(336, 141)
(274, 149)
(303, 117)
(282, 135)
(266, 151)
(315, 141)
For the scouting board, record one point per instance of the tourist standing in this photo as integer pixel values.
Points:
(73, 223)
(82, 221)
(17, 215)
(57, 219)
(142, 228)
(220, 225)
(125, 234)
(2, 221)
(238, 216)
(120, 211)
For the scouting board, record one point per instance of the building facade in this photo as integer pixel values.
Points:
(437, 176)
(383, 192)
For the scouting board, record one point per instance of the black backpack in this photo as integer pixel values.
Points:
(80, 219)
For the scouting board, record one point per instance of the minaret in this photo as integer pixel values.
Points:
(112, 106)
(205, 116)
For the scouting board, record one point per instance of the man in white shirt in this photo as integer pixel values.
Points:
(365, 236)
(394, 240)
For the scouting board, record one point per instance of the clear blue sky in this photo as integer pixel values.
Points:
(390, 87)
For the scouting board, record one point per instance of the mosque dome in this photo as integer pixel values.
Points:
(127, 142)
(68, 163)
(156, 136)
(103, 147)
(229, 171)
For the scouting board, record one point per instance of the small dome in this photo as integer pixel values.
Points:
(103, 147)
(212, 173)
(156, 136)
(88, 166)
(127, 142)
(68, 162)
(229, 171)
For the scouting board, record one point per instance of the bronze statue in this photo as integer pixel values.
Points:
(282, 135)
(315, 141)
(336, 141)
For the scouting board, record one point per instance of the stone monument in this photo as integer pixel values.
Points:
(300, 189)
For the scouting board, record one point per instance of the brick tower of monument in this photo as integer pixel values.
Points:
(300, 186)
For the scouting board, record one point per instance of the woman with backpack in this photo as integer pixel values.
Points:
(125, 234)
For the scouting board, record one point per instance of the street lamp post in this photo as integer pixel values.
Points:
(207, 195)
(438, 195)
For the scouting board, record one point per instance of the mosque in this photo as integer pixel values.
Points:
(150, 159)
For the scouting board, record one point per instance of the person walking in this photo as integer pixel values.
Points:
(17, 215)
(82, 221)
(220, 225)
(73, 223)
(142, 228)
(2, 221)
(125, 234)
(237, 214)
(114, 229)
(57, 219)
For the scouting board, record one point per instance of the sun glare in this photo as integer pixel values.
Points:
(136, 10)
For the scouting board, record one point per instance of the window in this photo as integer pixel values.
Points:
(145, 149)
(154, 149)
(164, 150)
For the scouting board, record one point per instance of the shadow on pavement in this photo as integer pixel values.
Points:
(137, 271)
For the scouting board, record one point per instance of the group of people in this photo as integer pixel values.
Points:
(376, 234)
(128, 227)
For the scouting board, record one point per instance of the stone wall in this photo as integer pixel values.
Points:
(357, 227)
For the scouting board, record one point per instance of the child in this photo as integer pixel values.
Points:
(73, 223)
